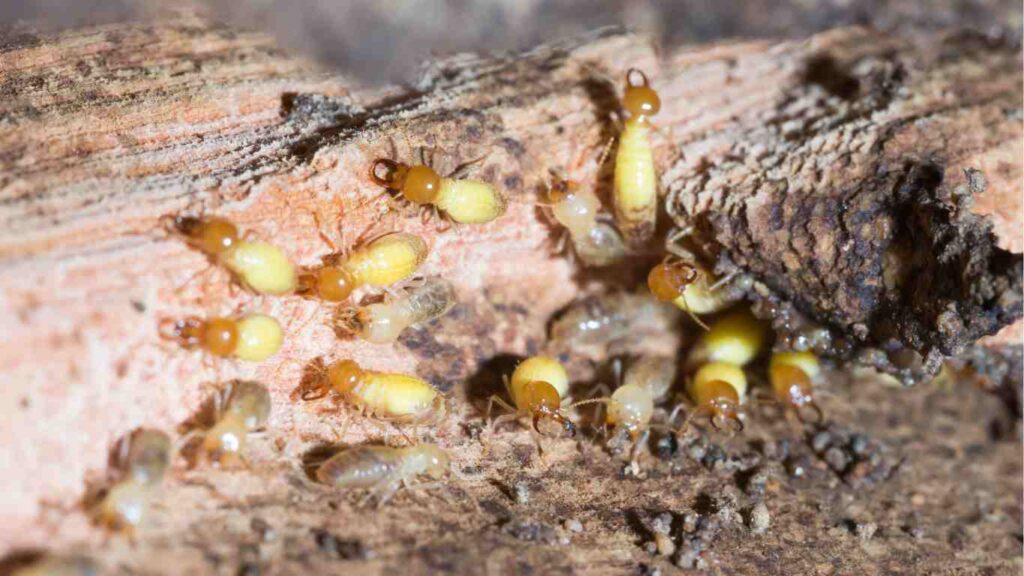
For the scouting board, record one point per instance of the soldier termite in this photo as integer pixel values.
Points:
(636, 183)
(240, 408)
(463, 201)
(253, 337)
(398, 398)
(595, 241)
(379, 263)
(792, 376)
(383, 322)
(142, 459)
(382, 470)
(735, 338)
(259, 266)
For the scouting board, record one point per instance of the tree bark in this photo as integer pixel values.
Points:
(814, 166)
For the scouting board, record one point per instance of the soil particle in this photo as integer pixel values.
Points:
(760, 518)
(866, 530)
(529, 531)
(343, 549)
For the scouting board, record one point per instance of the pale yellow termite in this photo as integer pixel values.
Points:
(381, 323)
(260, 266)
(240, 408)
(383, 470)
(143, 458)
(537, 388)
(596, 242)
(253, 338)
(636, 182)
(381, 262)
(463, 201)
(396, 397)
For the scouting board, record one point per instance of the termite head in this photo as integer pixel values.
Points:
(419, 184)
(222, 444)
(640, 100)
(218, 336)
(668, 280)
(437, 461)
(561, 189)
(213, 236)
(330, 283)
(630, 408)
(794, 387)
(542, 400)
(723, 403)
(345, 375)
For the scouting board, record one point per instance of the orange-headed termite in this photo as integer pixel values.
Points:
(253, 337)
(463, 201)
(260, 266)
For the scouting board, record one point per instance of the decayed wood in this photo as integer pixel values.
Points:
(104, 130)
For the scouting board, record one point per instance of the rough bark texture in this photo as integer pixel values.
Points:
(104, 130)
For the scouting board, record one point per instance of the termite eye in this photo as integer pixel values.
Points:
(334, 284)
(667, 281)
(220, 336)
(216, 235)
(421, 184)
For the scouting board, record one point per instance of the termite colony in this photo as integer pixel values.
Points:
(711, 374)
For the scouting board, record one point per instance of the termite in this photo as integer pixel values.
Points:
(792, 376)
(691, 286)
(606, 319)
(59, 566)
(143, 459)
(383, 470)
(735, 338)
(718, 389)
(240, 408)
(536, 388)
(383, 322)
(379, 263)
(636, 183)
(398, 398)
(463, 201)
(630, 407)
(259, 266)
(595, 241)
(253, 338)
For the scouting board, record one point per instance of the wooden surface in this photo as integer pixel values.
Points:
(104, 130)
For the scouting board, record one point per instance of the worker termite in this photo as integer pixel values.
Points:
(239, 408)
(735, 338)
(382, 322)
(636, 183)
(596, 242)
(260, 266)
(395, 397)
(606, 320)
(688, 284)
(253, 337)
(630, 407)
(383, 470)
(463, 201)
(380, 262)
(537, 387)
(143, 459)
(58, 566)
(792, 376)
(717, 389)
